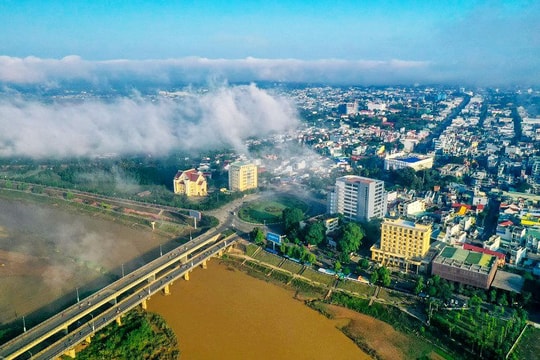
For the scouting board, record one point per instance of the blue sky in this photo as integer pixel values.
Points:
(451, 40)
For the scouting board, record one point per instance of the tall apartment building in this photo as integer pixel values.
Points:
(242, 176)
(358, 198)
(402, 243)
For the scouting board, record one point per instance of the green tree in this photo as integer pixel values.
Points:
(315, 233)
(309, 257)
(502, 300)
(374, 277)
(419, 285)
(475, 300)
(526, 297)
(291, 218)
(492, 296)
(351, 238)
(384, 275)
(258, 236)
(364, 263)
(337, 266)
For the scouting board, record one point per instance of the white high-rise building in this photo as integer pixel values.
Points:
(358, 198)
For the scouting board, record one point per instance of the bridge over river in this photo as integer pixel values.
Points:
(60, 334)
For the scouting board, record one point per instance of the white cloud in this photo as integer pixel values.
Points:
(223, 116)
(33, 70)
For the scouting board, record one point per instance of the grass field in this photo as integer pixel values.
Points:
(528, 346)
(268, 258)
(250, 249)
(291, 266)
(318, 277)
(269, 210)
(357, 287)
(391, 296)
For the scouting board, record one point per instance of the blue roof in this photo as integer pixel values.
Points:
(411, 159)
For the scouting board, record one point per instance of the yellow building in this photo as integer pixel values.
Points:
(402, 243)
(242, 176)
(190, 183)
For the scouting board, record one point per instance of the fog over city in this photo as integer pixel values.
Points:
(223, 116)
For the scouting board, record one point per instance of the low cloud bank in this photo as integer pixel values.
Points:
(52, 72)
(128, 125)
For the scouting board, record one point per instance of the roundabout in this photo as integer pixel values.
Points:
(269, 210)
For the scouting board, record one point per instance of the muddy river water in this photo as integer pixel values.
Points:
(47, 254)
(222, 313)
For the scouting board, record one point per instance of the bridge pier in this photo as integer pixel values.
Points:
(166, 290)
(88, 339)
(186, 275)
(119, 321)
(203, 265)
(144, 305)
(70, 353)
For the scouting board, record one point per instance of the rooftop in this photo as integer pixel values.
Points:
(465, 259)
(508, 281)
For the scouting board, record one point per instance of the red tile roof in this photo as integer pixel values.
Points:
(483, 251)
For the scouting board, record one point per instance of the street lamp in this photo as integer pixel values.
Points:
(78, 299)
(160, 250)
(122, 270)
(30, 354)
(93, 323)
(24, 324)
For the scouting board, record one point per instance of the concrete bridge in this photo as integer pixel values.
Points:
(80, 321)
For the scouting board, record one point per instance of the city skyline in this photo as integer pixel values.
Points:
(470, 42)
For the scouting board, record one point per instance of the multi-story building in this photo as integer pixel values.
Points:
(190, 183)
(411, 207)
(466, 267)
(414, 161)
(358, 198)
(403, 243)
(242, 176)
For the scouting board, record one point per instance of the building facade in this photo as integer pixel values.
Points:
(411, 207)
(402, 243)
(358, 198)
(190, 183)
(242, 176)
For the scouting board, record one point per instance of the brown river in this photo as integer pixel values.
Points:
(222, 313)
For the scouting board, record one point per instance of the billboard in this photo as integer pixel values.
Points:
(195, 214)
(275, 238)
